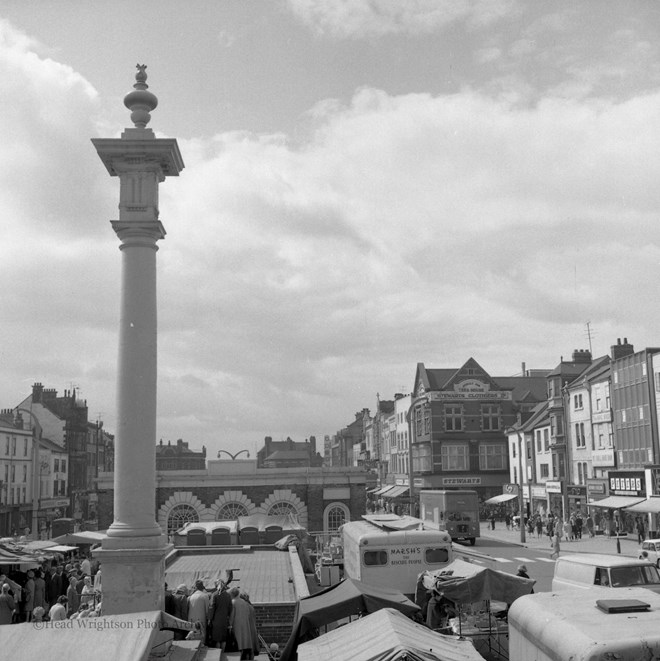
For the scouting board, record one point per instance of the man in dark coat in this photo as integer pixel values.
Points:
(219, 614)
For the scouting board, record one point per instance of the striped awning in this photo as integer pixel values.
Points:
(396, 492)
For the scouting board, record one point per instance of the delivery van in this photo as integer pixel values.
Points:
(555, 626)
(453, 510)
(391, 551)
(586, 570)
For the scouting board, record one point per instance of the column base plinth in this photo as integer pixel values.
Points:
(132, 579)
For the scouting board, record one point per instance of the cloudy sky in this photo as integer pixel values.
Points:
(369, 184)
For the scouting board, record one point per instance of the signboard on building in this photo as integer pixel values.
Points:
(460, 481)
(596, 488)
(627, 483)
(510, 488)
(603, 457)
(553, 486)
(577, 491)
(438, 395)
(538, 492)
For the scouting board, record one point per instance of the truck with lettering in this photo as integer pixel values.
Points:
(391, 551)
(453, 510)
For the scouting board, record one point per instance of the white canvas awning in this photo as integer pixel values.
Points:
(651, 505)
(396, 492)
(616, 502)
(384, 489)
(500, 498)
(386, 635)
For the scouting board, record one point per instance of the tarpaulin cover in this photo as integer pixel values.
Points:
(387, 636)
(16, 557)
(106, 638)
(262, 522)
(208, 526)
(467, 583)
(84, 537)
(350, 597)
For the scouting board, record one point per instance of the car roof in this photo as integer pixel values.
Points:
(656, 540)
(602, 560)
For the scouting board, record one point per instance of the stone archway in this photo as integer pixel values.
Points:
(284, 501)
(232, 504)
(187, 505)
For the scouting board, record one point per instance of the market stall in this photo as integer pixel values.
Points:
(471, 600)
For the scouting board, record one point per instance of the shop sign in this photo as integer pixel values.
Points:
(580, 492)
(596, 488)
(538, 492)
(418, 481)
(510, 488)
(626, 484)
(464, 394)
(553, 486)
(603, 457)
(460, 481)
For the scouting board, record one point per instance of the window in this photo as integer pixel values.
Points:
(7, 448)
(580, 440)
(492, 457)
(56, 465)
(179, 516)
(641, 413)
(539, 441)
(336, 518)
(490, 417)
(374, 558)
(607, 403)
(453, 418)
(418, 422)
(427, 421)
(64, 465)
(24, 473)
(577, 402)
(13, 445)
(284, 508)
(231, 511)
(545, 470)
(513, 448)
(25, 447)
(623, 415)
(13, 474)
(436, 556)
(546, 439)
(454, 457)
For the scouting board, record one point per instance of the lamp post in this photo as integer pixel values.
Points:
(520, 489)
(233, 456)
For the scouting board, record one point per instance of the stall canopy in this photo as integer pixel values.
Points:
(384, 490)
(651, 505)
(106, 638)
(616, 502)
(387, 636)
(466, 583)
(262, 522)
(350, 597)
(15, 557)
(500, 498)
(396, 492)
(84, 537)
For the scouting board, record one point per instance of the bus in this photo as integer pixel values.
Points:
(453, 510)
(392, 551)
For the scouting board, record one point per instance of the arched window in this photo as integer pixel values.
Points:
(180, 515)
(283, 509)
(231, 511)
(334, 516)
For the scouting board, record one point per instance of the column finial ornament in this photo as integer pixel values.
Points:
(140, 102)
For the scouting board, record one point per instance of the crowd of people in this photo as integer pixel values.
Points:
(54, 591)
(224, 617)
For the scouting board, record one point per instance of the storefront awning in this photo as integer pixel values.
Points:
(500, 498)
(383, 490)
(616, 502)
(373, 490)
(651, 505)
(396, 492)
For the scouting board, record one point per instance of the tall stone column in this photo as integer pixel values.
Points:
(133, 553)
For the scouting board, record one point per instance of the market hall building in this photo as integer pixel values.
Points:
(458, 419)
(319, 498)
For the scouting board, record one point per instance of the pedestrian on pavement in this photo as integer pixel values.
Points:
(590, 525)
(492, 520)
(539, 527)
(640, 530)
(578, 525)
(555, 545)
(507, 521)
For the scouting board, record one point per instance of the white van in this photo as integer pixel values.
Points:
(586, 570)
(389, 557)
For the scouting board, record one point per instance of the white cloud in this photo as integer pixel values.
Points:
(376, 18)
(296, 282)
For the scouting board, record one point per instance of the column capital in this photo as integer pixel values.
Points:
(144, 233)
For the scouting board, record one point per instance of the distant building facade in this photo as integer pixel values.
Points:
(179, 457)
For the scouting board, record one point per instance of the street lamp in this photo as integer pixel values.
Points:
(233, 456)
(520, 489)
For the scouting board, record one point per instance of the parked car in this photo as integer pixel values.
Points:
(650, 550)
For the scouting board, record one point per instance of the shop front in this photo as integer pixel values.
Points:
(539, 500)
(555, 498)
(577, 498)
(625, 488)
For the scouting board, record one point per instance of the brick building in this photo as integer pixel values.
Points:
(320, 498)
(179, 457)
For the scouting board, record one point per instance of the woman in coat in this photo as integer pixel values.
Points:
(243, 622)
(219, 614)
(7, 605)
